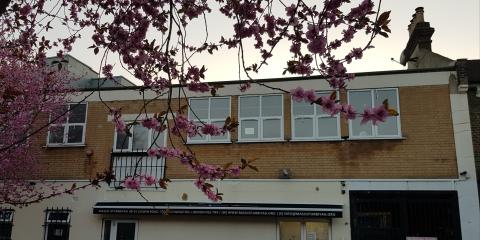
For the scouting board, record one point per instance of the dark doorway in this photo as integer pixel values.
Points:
(396, 215)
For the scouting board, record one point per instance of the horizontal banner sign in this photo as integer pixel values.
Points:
(219, 209)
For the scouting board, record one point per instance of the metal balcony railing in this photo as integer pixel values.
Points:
(125, 164)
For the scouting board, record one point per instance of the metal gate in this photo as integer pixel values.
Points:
(396, 215)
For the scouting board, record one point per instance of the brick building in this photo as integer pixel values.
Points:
(320, 177)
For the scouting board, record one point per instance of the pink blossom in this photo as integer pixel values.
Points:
(329, 106)
(310, 96)
(150, 180)
(235, 171)
(131, 183)
(349, 111)
(212, 129)
(244, 86)
(150, 123)
(152, 152)
(376, 114)
(317, 45)
(298, 94)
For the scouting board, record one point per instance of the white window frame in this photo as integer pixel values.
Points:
(113, 227)
(66, 126)
(315, 118)
(130, 140)
(303, 226)
(208, 138)
(373, 94)
(260, 120)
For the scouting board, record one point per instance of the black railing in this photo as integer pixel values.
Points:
(136, 163)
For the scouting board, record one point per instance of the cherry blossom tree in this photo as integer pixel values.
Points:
(151, 41)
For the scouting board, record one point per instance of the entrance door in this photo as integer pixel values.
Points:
(398, 215)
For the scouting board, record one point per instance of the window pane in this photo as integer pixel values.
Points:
(219, 108)
(75, 134)
(290, 231)
(272, 128)
(198, 137)
(302, 108)
(249, 107)
(77, 113)
(56, 134)
(140, 138)
(389, 127)
(317, 230)
(249, 129)
(200, 109)
(6, 230)
(303, 127)
(125, 231)
(158, 138)
(220, 137)
(106, 229)
(272, 105)
(327, 127)
(122, 141)
(60, 113)
(359, 100)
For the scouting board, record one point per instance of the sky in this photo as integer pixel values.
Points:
(457, 35)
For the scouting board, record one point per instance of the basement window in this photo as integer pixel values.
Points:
(6, 224)
(57, 224)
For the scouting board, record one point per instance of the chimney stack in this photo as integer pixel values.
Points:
(420, 34)
(416, 18)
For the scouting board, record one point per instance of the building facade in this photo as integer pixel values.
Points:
(320, 177)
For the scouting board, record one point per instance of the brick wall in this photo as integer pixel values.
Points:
(427, 151)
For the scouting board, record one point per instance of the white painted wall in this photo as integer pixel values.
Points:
(86, 225)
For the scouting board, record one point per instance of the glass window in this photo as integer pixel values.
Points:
(212, 110)
(141, 139)
(57, 224)
(120, 230)
(68, 130)
(311, 122)
(314, 230)
(261, 117)
(6, 224)
(360, 99)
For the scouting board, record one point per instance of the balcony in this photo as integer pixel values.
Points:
(125, 164)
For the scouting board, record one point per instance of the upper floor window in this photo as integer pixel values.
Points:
(57, 224)
(71, 130)
(6, 224)
(140, 139)
(261, 118)
(310, 122)
(211, 110)
(360, 99)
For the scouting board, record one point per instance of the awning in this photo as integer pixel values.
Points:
(219, 209)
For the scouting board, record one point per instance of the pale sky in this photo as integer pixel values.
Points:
(457, 35)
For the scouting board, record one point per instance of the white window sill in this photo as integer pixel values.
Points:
(375, 138)
(64, 145)
(317, 140)
(203, 143)
(261, 141)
